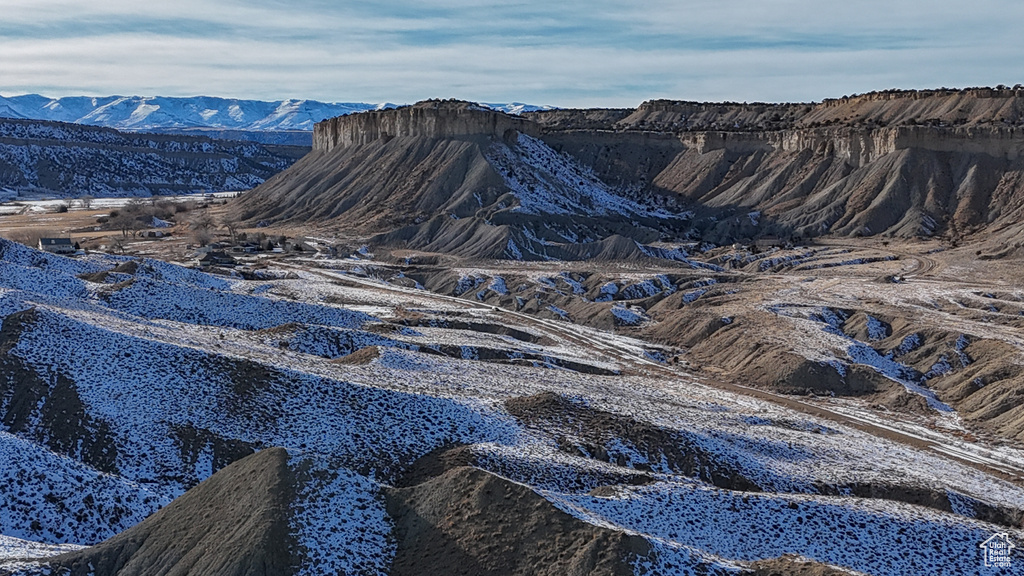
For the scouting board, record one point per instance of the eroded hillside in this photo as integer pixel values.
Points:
(70, 160)
(413, 421)
(897, 164)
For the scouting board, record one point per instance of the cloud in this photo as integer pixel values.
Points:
(566, 53)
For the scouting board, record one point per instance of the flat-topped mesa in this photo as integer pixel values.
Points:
(998, 107)
(860, 146)
(427, 119)
(889, 95)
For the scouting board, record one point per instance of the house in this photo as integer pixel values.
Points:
(299, 246)
(768, 242)
(215, 258)
(247, 248)
(57, 245)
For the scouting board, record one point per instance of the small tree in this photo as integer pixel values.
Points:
(202, 228)
(135, 206)
(201, 220)
(201, 236)
(86, 202)
(231, 225)
(122, 221)
(137, 225)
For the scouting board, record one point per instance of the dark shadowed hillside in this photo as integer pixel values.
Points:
(71, 160)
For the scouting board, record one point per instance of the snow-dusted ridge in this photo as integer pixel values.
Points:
(147, 113)
(138, 113)
(171, 353)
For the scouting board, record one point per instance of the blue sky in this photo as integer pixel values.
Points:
(568, 53)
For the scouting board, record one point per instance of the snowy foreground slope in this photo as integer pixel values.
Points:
(117, 396)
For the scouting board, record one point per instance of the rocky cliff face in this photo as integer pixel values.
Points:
(900, 163)
(945, 162)
(452, 177)
(429, 119)
(967, 107)
(860, 146)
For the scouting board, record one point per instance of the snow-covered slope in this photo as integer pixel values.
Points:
(515, 108)
(118, 396)
(69, 160)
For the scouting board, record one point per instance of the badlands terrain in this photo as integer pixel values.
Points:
(682, 339)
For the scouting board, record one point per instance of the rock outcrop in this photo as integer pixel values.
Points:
(966, 107)
(430, 119)
(452, 177)
(905, 164)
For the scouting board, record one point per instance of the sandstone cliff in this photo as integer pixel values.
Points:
(966, 107)
(428, 119)
(899, 163)
(453, 177)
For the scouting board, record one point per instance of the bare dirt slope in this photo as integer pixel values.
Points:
(467, 521)
(380, 185)
(795, 566)
(233, 524)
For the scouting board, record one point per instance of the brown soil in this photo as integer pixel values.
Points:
(286, 328)
(233, 524)
(436, 463)
(484, 327)
(361, 356)
(590, 432)
(469, 522)
(752, 349)
(795, 566)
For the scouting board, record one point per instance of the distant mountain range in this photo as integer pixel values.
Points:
(137, 113)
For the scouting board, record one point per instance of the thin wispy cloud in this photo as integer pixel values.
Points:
(566, 53)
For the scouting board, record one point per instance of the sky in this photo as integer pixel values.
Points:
(561, 53)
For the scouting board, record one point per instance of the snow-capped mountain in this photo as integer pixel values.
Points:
(161, 113)
(148, 113)
(515, 108)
